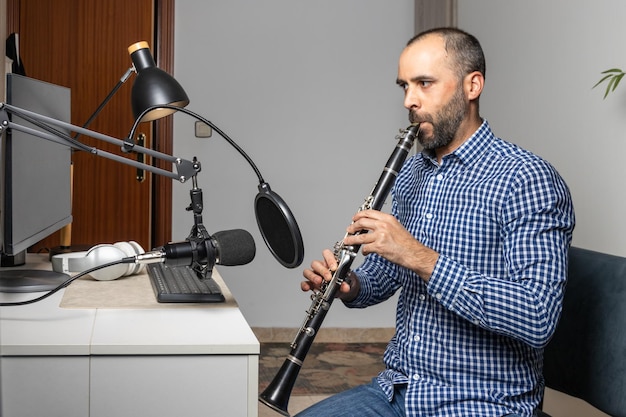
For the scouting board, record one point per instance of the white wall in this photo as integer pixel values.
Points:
(307, 89)
(543, 59)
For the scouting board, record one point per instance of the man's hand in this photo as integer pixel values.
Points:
(389, 239)
(322, 270)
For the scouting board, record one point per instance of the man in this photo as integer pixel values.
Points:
(477, 244)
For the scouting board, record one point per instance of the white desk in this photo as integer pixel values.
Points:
(100, 362)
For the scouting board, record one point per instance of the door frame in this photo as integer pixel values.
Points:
(164, 128)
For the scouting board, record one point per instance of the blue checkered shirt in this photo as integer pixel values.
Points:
(470, 342)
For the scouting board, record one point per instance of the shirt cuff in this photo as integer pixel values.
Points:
(364, 294)
(446, 281)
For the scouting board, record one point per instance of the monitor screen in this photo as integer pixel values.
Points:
(35, 173)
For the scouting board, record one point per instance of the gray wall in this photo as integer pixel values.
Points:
(543, 59)
(308, 90)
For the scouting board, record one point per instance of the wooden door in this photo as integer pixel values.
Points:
(82, 44)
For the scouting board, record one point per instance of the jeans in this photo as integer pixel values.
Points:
(363, 401)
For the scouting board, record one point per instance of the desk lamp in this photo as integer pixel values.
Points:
(153, 87)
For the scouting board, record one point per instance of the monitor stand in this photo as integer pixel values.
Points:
(19, 280)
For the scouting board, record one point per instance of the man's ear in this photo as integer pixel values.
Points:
(473, 84)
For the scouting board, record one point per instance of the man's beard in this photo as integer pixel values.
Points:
(445, 124)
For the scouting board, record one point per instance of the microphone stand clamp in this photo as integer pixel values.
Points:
(199, 235)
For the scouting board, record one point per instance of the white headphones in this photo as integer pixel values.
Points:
(100, 255)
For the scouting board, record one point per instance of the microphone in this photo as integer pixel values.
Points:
(228, 248)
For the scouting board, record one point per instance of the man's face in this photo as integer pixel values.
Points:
(433, 94)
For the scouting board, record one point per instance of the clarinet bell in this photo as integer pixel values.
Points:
(276, 395)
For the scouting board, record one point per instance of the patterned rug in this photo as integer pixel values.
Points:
(328, 367)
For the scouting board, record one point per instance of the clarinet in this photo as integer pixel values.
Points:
(277, 393)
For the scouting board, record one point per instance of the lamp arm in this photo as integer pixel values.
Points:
(117, 86)
(184, 169)
(204, 120)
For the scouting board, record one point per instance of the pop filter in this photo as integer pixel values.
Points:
(278, 227)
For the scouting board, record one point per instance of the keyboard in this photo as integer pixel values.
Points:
(181, 284)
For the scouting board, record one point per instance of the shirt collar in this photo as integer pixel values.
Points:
(471, 150)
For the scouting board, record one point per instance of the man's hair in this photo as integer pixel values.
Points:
(464, 49)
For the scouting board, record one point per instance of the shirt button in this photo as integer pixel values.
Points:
(416, 377)
(438, 296)
(439, 177)
(417, 338)
(422, 297)
(429, 216)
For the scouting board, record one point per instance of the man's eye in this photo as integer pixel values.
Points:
(425, 83)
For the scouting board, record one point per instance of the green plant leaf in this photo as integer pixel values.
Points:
(613, 76)
(612, 70)
(602, 80)
(616, 80)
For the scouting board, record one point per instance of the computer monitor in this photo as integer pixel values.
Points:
(35, 184)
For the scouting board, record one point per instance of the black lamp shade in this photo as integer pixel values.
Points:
(153, 86)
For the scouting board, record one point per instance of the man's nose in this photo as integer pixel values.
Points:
(410, 99)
